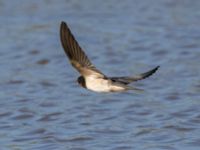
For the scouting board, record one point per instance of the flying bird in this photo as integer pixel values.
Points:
(91, 78)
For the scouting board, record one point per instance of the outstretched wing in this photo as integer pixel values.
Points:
(75, 53)
(127, 80)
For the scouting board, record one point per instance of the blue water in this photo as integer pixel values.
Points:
(42, 106)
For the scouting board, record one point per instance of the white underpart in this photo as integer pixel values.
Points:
(101, 85)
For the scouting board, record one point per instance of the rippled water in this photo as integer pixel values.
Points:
(43, 108)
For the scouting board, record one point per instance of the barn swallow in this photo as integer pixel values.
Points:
(91, 78)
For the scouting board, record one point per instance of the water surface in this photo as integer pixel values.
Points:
(42, 106)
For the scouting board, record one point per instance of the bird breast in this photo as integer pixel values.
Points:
(97, 84)
(101, 85)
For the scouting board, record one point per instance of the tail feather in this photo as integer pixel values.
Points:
(127, 87)
(134, 89)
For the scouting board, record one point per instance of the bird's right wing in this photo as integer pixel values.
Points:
(127, 80)
(75, 53)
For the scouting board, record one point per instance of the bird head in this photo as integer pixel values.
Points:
(81, 81)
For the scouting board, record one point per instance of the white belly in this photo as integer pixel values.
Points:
(101, 85)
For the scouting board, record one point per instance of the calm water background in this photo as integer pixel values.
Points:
(43, 108)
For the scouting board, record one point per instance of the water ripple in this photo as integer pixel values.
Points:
(43, 107)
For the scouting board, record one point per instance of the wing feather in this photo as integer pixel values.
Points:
(128, 80)
(75, 53)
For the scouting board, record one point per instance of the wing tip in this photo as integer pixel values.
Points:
(63, 23)
(149, 73)
(156, 68)
(63, 26)
(64, 33)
